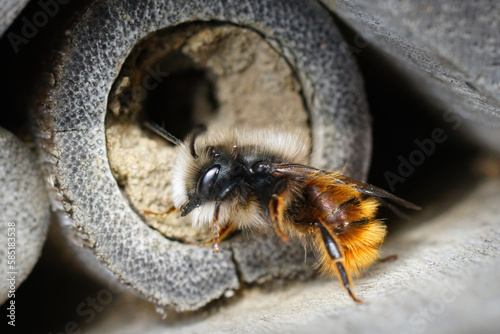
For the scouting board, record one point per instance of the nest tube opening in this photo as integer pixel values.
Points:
(74, 134)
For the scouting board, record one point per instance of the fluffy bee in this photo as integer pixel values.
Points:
(230, 178)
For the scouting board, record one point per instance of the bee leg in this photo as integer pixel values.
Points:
(170, 210)
(226, 230)
(218, 234)
(215, 220)
(389, 258)
(215, 227)
(276, 207)
(223, 233)
(335, 254)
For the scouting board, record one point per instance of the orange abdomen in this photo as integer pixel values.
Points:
(349, 216)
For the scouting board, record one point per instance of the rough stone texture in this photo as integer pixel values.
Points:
(9, 9)
(449, 50)
(23, 201)
(71, 122)
(444, 280)
(261, 259)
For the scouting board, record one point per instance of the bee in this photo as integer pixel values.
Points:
(229, 178)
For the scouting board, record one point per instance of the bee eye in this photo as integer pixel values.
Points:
(208, 179)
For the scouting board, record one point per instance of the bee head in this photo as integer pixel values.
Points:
(216, 179)
(229, 166)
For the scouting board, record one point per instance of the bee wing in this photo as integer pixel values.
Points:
(368, 189)
(303, 171)
(296, 170)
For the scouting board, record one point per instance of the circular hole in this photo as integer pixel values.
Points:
(196, 73)
(183, 99)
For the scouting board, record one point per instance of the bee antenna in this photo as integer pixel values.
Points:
(196, 132)
(162, 132)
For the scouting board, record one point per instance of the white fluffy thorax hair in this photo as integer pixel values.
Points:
(284, 146)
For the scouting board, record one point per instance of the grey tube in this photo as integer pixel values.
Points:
(24, 213)
(71, 132)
